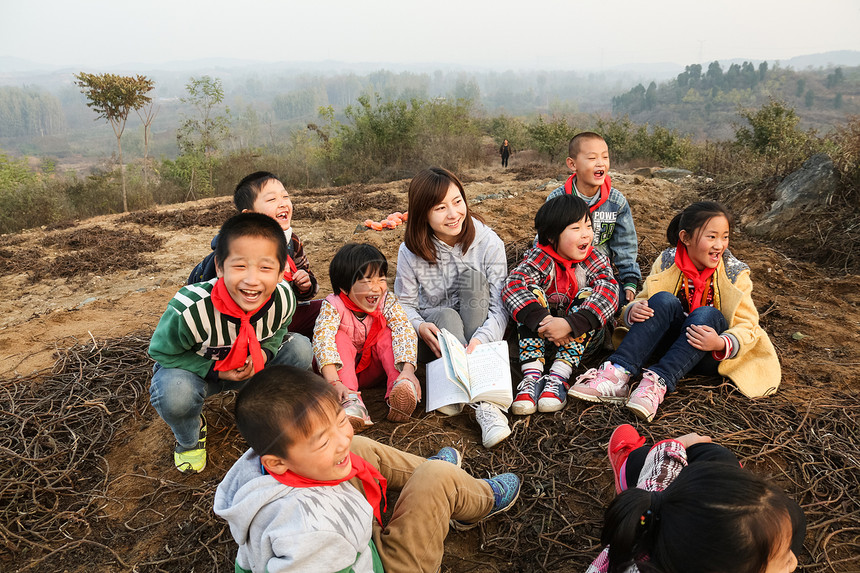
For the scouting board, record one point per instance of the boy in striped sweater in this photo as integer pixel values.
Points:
(216, 334)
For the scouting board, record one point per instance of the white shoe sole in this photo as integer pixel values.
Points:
(497, 438)
(641, 412)
(523, 408)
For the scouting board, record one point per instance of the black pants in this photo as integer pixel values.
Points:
(504, 159)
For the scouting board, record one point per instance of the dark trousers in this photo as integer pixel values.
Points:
(663, 336)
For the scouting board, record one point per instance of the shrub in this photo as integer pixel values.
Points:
(847, 153)
(772, 133)
(551, 137)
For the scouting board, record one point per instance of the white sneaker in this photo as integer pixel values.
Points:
(494, 424)
(450, 409)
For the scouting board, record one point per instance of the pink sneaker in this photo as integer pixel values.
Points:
(356, 411)
(624, 440)
(605, 384)
(647, 396)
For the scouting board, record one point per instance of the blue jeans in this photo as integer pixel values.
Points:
(177, 395)
(664, 335)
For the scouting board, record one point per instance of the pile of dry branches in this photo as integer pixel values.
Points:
(60, 499)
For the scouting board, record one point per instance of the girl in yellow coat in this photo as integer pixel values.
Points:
(694, 314)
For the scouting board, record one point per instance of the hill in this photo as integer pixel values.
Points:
(89, 484)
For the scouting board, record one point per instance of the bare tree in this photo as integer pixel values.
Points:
(146, 114)
(113, 97)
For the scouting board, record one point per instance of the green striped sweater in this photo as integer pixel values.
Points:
(192, 335)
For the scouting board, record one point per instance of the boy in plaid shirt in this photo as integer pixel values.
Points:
(563, 292)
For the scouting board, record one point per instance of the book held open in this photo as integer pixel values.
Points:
(458, 378)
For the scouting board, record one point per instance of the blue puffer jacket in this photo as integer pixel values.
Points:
(615, 235)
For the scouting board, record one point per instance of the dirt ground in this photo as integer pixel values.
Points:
(105, 282)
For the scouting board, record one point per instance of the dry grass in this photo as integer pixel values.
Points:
(59, 428)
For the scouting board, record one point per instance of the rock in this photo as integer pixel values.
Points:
(646, 172)
(671, 173)
(638, 180)
(87, 301)
(551, 184)
(807, 190)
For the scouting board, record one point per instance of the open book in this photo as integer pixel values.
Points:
(457, 377)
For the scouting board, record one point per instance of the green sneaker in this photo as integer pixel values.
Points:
(192, 461)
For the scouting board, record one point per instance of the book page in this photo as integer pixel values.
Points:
(455, 357)
(440, 390)
(489, 368)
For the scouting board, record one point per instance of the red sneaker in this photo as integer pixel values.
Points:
(624, 440)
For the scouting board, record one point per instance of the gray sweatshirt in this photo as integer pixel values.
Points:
(281, 528)
(422, 286)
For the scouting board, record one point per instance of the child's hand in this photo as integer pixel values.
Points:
(473, 344)
(428, 331)
(342, 390)
(238, 374)
(640, 312)
(688, 440)
(555, 329)
(629, 295)
(702, 337)
(302, 280)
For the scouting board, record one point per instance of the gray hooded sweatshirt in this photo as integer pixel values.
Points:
(421, 286)
(281, 528)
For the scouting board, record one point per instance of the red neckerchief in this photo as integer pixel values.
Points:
(290, 269)
(375, 328)
(604, 191)
(565, 282)
(700, 279)
(369, 476)
(246, 341)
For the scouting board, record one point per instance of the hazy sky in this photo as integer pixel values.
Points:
(569, 34)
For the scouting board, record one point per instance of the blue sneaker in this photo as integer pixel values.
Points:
(450, 455)
(506, 490)
(554, 395)
(527, 396)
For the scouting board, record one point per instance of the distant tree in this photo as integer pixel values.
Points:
(732, 77)
(30, 112)
(467, 89)
(146, 114)
(695, 71)
(113, 97)
(715, 74)
(809, 98)
(749, 76)
(801, 87)
(199, 137)
(834, 79)
(651, 96)
(837, 101)
(762, 71)
(838, 76)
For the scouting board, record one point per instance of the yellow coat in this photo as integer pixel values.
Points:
(755, 368)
